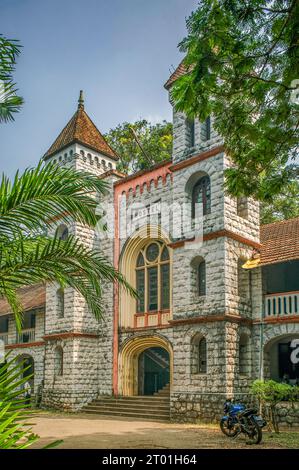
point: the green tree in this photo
(9, 101)
(141, 144)
(283, 206)
(241, 62)
(28, 255)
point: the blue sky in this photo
(119, 52)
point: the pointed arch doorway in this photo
(153, 370)
(145, 366)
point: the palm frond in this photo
(10, 102)
(29, 260)
(42, 194)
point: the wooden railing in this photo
(282, 304)
(26, 336)
(143, 320)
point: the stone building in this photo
(218, 298)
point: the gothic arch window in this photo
(58, 361)
(199, 354)
(201, 278)
(243, 281)
(242, 207)
(205, 130)
(62, 232)
(60, 302)
(244, 355)
(201, 194)
(153, 278)
(190, 128)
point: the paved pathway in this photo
(83, 431)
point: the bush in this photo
(269, 393)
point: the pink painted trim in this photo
(123, 187)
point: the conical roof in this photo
(81, 129)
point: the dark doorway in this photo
(27, 365)
(288, 371)
(153, 371)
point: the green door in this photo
(153, 370)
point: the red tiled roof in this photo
(179, 71)
(81, 129)
(280, 241)
(30, 296)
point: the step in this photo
(153, 402)
(121, 411)
(137, 398)
(143, 417)
(128, 408)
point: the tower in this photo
(213, 307)
(72, 374)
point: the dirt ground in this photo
(84, 431)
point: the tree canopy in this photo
(242, 66)
(141, 144)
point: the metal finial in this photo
(81, 100)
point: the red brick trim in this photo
(143, 172)
(234, 236)
(24, 345)
(280, 320)
(211, 319)
(68, 335)
(146, 328)
(197, 158)
(219, 234)
(112, 172)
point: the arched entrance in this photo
(145, 365)
(27, 366)
(153, 371)
(282, 359)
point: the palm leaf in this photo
(48, 192)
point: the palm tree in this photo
(9, 102)
(28, 254)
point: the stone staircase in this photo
(146, 408)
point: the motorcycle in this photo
(238, 419)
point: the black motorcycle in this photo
(238, 419)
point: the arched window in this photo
(243, 281)
(242, 207)
(58, 361)
(244, 355)
(199, 354)
(110, 166)
(190, 127)
(201, 194)
(153, 278)
(60, 303)
(205, 130)
(62, 232)
(201, 278)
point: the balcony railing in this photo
(282, 304)
(143, 320)
(4, 337)
(26, 336)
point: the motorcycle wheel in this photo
(255, 435)
(227, 429)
